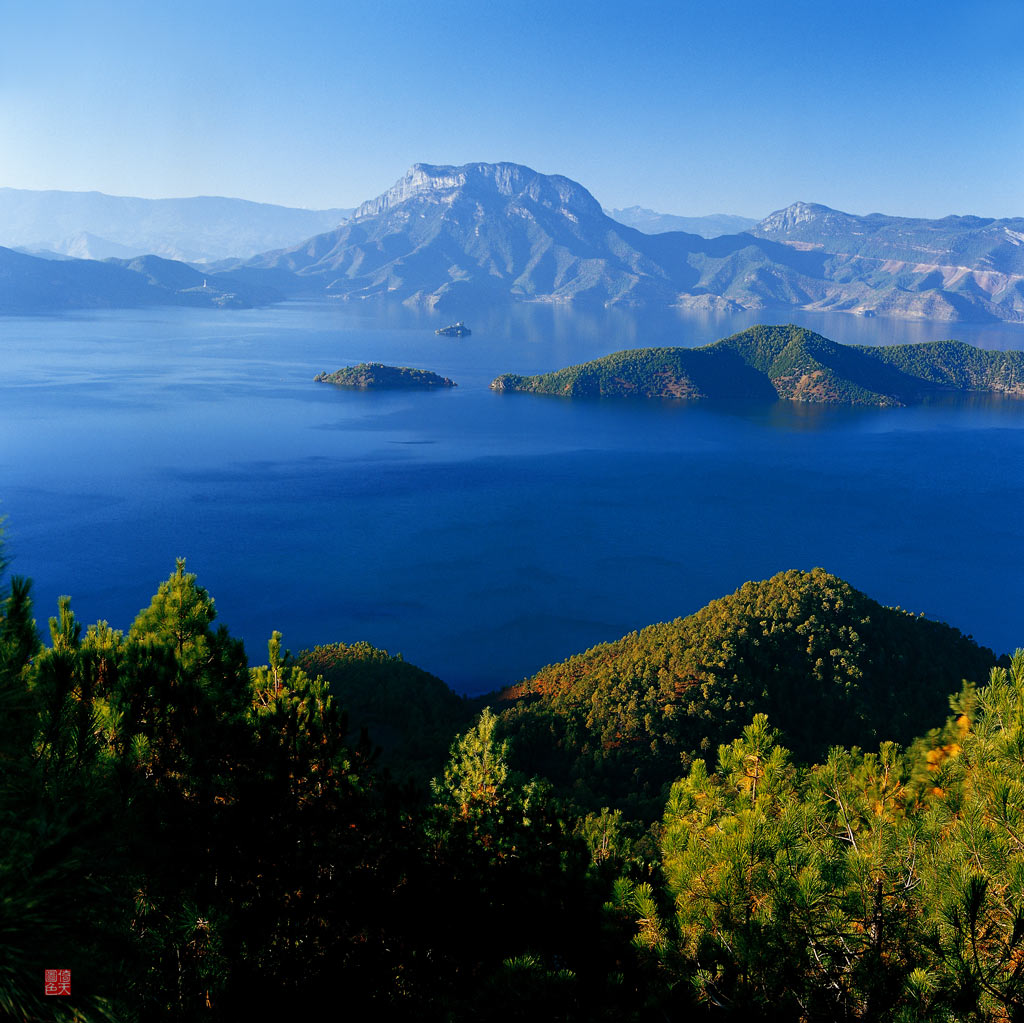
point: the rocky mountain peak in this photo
(480, 181)
(794, 215)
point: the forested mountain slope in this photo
(788, 362)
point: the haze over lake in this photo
(481, 535)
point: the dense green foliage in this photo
(956, 365)
(373, 375)
(874, 886)
(198, 839)
(793, 891)
(825, 662)
(786, 362)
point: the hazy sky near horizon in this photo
(738, 107)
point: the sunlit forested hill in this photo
(827, 664)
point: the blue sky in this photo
(899, 107)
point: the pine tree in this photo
(176, 722)
(58, 904)
(795, 893)
(974, 860)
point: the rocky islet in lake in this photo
(376, 376)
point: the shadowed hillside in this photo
(412, 715)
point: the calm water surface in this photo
(482, 535)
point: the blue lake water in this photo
(481, 535)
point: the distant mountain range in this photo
(787, 362)
(450, 236)
(29, 284)
(91, 225)
(651, 222)
(457, 237)
(950, 244)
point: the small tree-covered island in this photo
(789, 805)
(377, 376)
(787, 362)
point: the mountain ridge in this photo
(31, 284)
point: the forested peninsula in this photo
(787, 362)
(626, 835)
(375, 375)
